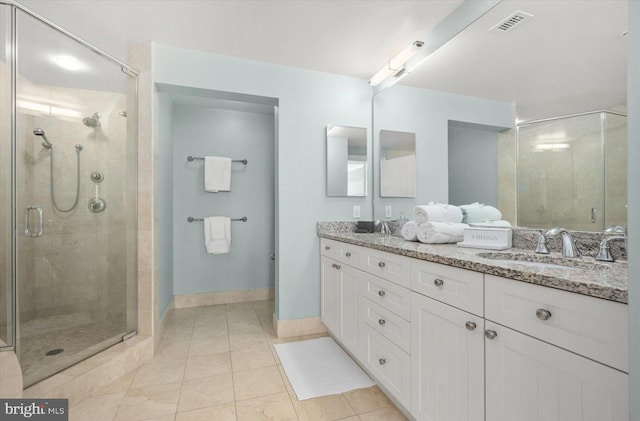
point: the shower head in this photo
(39, 132)
(93, 121)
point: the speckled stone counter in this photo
(585, 276)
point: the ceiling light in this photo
(395, 66)
(552, 146)
(68, 62)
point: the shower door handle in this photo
(27, 213)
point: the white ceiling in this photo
(568, 59)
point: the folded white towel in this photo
(498, 223)
(217, 234)
(217, 174)
(410, 231)
(479, 212)
(441, 232)
(437, 212)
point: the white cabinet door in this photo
(530, 380)
(447, 362)
(348, 281)
(330, 295)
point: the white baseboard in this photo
(298, 327)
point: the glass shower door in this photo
(75, 201)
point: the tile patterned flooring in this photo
(218, 363)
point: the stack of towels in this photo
(435, 223)
(481, 215)
(438, 223)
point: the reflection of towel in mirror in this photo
(410, 231)
(500, 223)
(217, 234)
(437, 212)
(217, 174)
(441, 232)
(479, 212)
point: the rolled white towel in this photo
(500, 223)
(441, 232)
(410, 231)
(479, 212)
(437, 212)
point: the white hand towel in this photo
(217, 234)
(410, 231)
(441, 232)
(217, 174)
(479, 212)
(437, 212)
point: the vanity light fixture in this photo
(552, 146)
(396, 66)
(68, 63)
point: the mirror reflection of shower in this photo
(92, 121)
(49, 146)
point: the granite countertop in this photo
(593, 278)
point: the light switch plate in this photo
(387, 211)
(356, 211)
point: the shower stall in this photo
(572, 172)
(68, 238)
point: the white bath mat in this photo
(319, 367)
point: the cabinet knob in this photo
(470, 325)
(438, 282)
(381, 293)
(327, 247)
(543, 314)
(490, 334)
(381, 264)
(337, 266)
(348, 254)
(381, 322)
(382, 361)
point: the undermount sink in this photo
(543, 261)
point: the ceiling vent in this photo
(512, 22)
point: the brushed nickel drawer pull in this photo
(491, 334)
(337, 266)
(381, 264)
(470, 326)
(438, 282)
(348, 254)
(381, 293)
(327, 247)
(543, 314)
(381, 322)
(382, 361)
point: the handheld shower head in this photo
(40, 132)
(93, 121)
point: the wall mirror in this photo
(346, 161)
(512, 69)
(397, 164)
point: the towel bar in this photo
(191, 158)
(192, 219)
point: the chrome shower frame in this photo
(13, 58)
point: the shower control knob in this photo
(97, 204)
(97, 176)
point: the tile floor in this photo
(218, 363)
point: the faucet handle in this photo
(541, 248)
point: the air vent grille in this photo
(512, 22)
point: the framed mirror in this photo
(397, 164)
(346, 161)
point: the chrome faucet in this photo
(569, 248)
(604, 252)
(541, 248)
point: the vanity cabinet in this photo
(447, 362)
(528, 379)
(453, 344)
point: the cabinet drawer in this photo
(393, 297)
(392, 267)
(588, 326)
(458, 287)
(389, 325)
(390, 365)
(328, 248)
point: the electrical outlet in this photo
(356, 211)
(387, 211)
